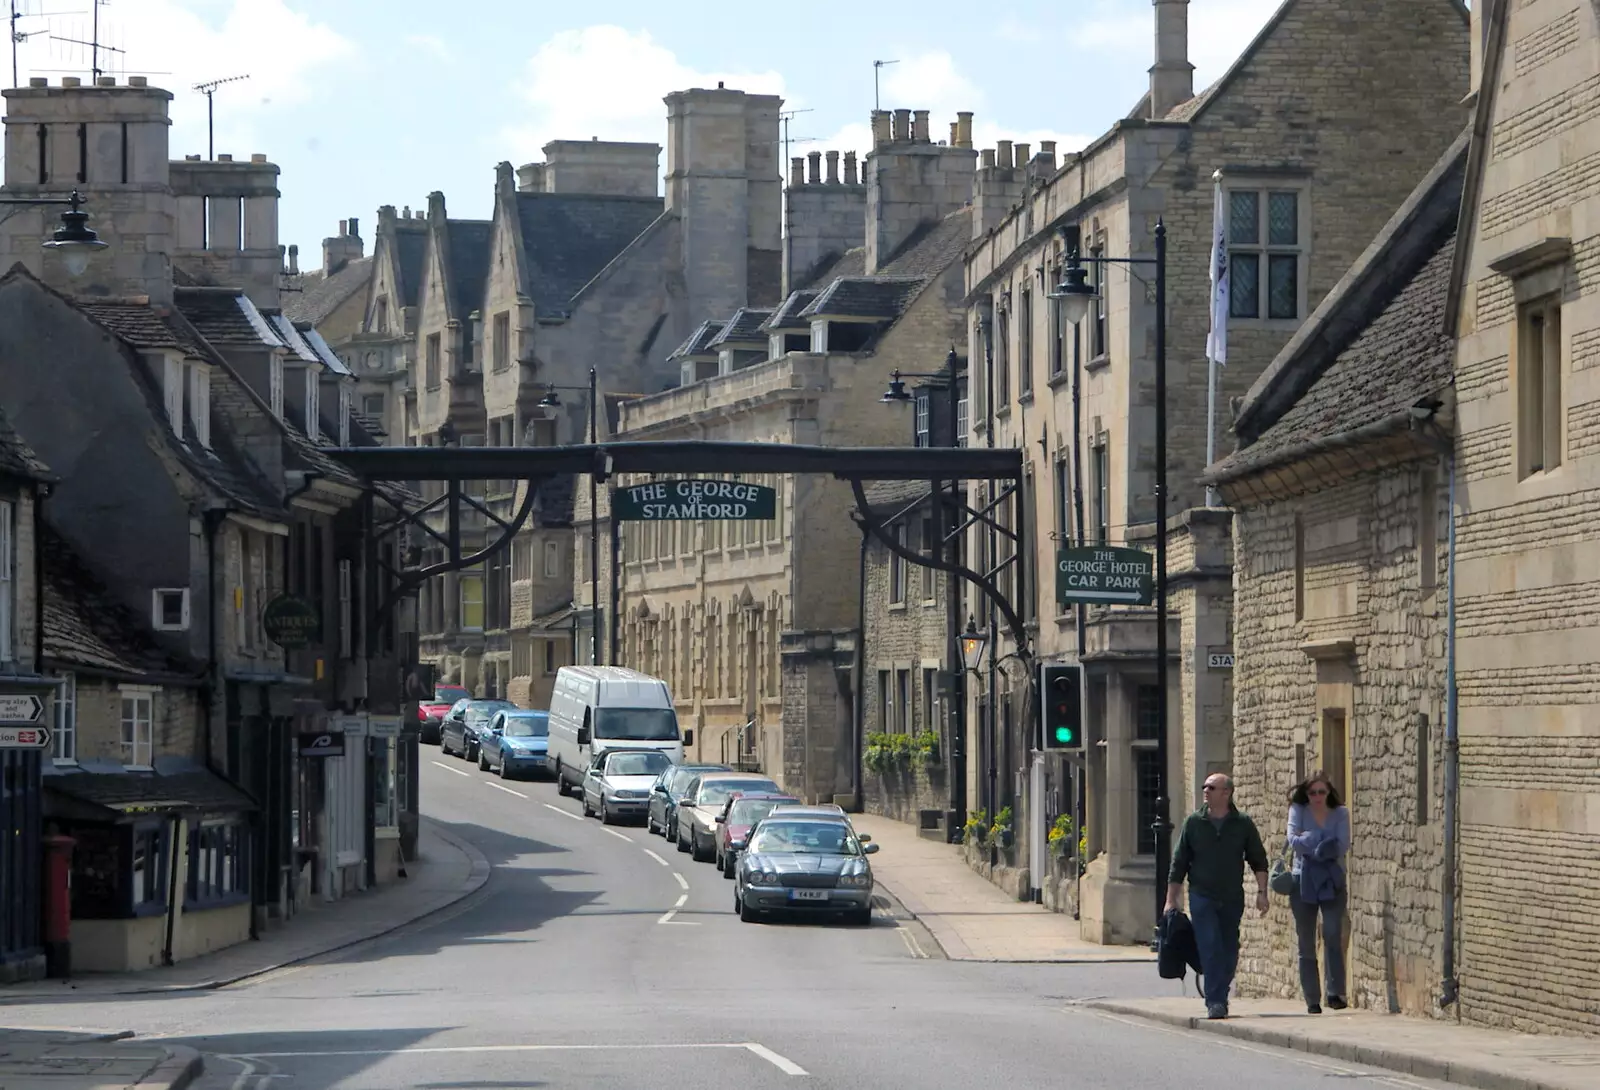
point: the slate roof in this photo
(226, 316)
(469, 264)
(745, 328)
(129, 792)
(286, 332)
(143, 326)
(569, 238)
(410, 251)
(17, 459)
(933, 247)
(320, 294)
(560, 618)
(866, 297)
(850, 263)
(86, 627)
(699, 342)
(891, 497)
(1373, 349)
(330, 359)
(787, 316)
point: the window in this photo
(550, 663)
(200, 402)
(313, 404)
(1424, 781)
(65, 719)
(924, 419)
(552, 560)
(430, 365)
(148, 871)
(346, 397)
(1063, 504)
(1058, 334)
(385, 797)
(930, 545)
(169, 609)
(885, 702)
(372, 405)
(1538, 386)
(930, 699)
(1100, 482)
(275, 386)
(470, 592)
(219, 867)
(1026, 563)
(8, 586)
(1098, 340)
(172, 388)
(897, 568)
(1264, 253)
(138, 727)
(1002, 360)
(1147, 782)
(1146, 713)
(963, 415)
(902, 692)
(502, 341)
(346, 614)
(1025, 344)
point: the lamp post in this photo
(1076, 297)
(896, 394)
(73, 240)
(552, 400)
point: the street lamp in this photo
(73, 240)
(972, 644)
(552, 400)
(1077, 297)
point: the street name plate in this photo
(24, 737)
(384, 726)
(1219, 661)
(20, 708)
(678, 501)
(1104, 574)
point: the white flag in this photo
(1217, 341)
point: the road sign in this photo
(20, 708)
(1219, 661)
(1104, 574)
(677, 501)
(24, 737)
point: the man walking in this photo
(1213, 848)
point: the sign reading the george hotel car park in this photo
(675, 501)
(1101, 575)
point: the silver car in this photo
(617, 783)
(813, 864)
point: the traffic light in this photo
(1061, 696)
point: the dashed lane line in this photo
(447, 768)
(666, 917)
(657, 858)
(782, 1063)
(507, 790)
(563, 813)
(682, 881)
(619, 836)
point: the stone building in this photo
(1340, 489)
(1320, 129)
(750, 622)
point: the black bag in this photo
(1176, 949)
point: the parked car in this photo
(431, 713)
(662, 816)
(741, 815)
(701, 803)
(594, 708)
(516, 742)
(819, 809)
(466, 724)
(804, 864)
(618, 782)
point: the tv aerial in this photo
(209, 89)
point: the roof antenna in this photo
(20, 36)
(878, 66)
(95, 48)
(209, 88)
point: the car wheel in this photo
(728, 863)
(501, 770)
(583, 796)
(682, 846)
(863, 918)
(561, 780)
(650, 822)
(698, 854)
(483, 760)
(605, 815)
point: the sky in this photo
(370, 102)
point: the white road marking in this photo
(247, 1069)
(507, 790)
(681, 901)
(787, 1066)
(682, 881)
(447, 768)
(657, 858)
(563, 813)
(911, 942)
(619, 836)
(666, 917)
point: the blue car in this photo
(514, 742)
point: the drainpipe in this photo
(1450, 987)
(172, 888)
(861, 673)
(40, 493)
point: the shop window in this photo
(219, 865)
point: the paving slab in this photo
(1447, 1051)
(969, 917)
(57, 1060)
(448, 869)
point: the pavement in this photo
(66, 1060)
(970, 917)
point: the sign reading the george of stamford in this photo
(1104, 574)
(671, 501)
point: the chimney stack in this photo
(911, 182)
(797, 170)
(1172, 76)
(902, 126)
(964, 129)
(881, 134)
(850, 175)
(339, 251)
(919, 128)
(530, 178)
(833, 168)
(294, 261)
(814, 171)
(1022, 157)
(1003, 154)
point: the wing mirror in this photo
(869, 849)
(583, 736)
(865, 838)
(721, 820)
(688, 738)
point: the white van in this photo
(596, 708)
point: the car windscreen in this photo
(750, 811)
(527, 726)
(717, 791)
(636, 724)
(637, 764)
(449, 694)
(480, 710)
(805, 838)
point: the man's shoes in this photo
(1215, 1011)
(1316, 1008)
(1337, 1002)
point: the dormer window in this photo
(200, 401)
(344, 413)
(172, 391)
(275, 386)
(313, 402)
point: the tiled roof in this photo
(122, 792)
(850, 263)
(699, 342)
(865, 297)
(410, 251)
(86, 626)
(142, 326)
(787, 316)
(226, 316)
(558, 619)
(17, 459)
(225, 466)
(569, 238)
(289, 335)
(933, 247)
(891, 497)
(320, 294)
(469, 264)
(330, 359)
(745, 328)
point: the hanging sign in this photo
(292, 623)
(325, 743)
(1102, 574)
(678, 501)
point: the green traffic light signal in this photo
(1064, 735)
(1061, 686)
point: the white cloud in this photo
(435, 46)
(179, 43)
(609, 82)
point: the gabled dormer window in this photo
(313, 402)
(172, 391)
(275, 386)
(200, 401)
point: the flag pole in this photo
(1217, 340)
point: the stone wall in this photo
(906, 788)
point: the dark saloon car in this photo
(466, 724)
(516, 743)
(809, 865)
(667, 791)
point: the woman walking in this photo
(1319, 837)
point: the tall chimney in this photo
(833, 168)
(850, 175)
(964, 129)
(1172, 76)
(814, 167)
(919, 127)
(797, 170)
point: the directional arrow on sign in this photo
(24, 737)
(20, 708)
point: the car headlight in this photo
(861, 880)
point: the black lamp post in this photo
(1076, 297)
(73, 240)
(552, 400)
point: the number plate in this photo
(808, 895)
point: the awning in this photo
(122, 796)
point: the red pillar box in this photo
(58, 905)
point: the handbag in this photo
(1283, 880)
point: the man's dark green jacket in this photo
(1212, 859)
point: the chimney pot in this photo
(850, 175)
(1022, 154)
(138, 81)
(355, 227)
(224, 158)
(833, 168)
(71, 81)
(814, 167)
(955, 135)
(1003, 154)
(294, 260)
(1047, 148)
(38, 81)
(191, 158)
(344, 228)
(880, 128)
(919, 128)
(902, 126)
(988, 158)
(258, 157)
(964, 129)
(797, 170)
(407, 213)
(106, 81)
